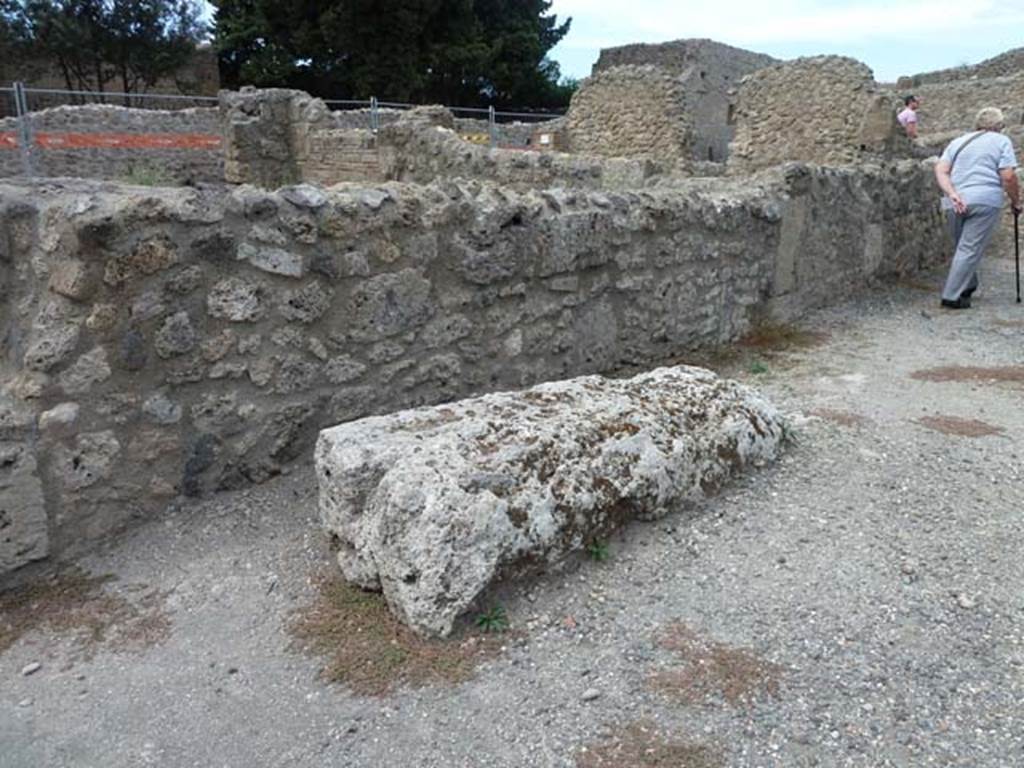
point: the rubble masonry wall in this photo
(170, 341)
(825, 109)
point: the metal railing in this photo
(494, 118)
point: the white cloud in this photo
(752, 22)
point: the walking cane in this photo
(1016, 248)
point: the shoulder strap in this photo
(962, 147)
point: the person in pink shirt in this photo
(908, 117)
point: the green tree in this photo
(466, 52)
(96, 42)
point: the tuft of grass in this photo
(148, 175)
(366, 649)
(758, 367)
(75, 604)
(707, 669)
(493, 620)
(599, 551)
(639, 745)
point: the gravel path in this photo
(859, 604)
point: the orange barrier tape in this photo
(9, 140)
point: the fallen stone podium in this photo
(431, 506)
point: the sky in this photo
(893, 37)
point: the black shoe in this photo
(968, 293)
(963, 302)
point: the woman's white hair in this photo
(990, 119)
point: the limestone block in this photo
(307, 304)
(71, 279)
(160, 409)
(55, 335)
(391, 303)
(343, 369)
(236, 300)
(90, 460)
(90, 369)
(433, 505)
(277, 261)
(23, 529)
(176, 336)
(59, 417)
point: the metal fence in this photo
(26, 129)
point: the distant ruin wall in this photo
(952, 106)
(825, 109)
(179, 341)
(276, 137)
(101, 141)
(679, 55)
(1005, 64)
(631, 111)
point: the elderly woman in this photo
(973, 172)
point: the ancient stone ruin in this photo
(432, 506)
(170, 341)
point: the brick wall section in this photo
(169, 341)
(825, 109)
(631, 111)
(202, 161)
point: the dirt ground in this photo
(859, 604)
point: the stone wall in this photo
(952, 106)
(631, 111)
(178, 341)
(101, 141)
(276, 137)
(708, 73)
(414, 152)
(1009, 63)
(825, 109)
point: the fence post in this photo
(492, 126)
(24, 128)
(374, 115)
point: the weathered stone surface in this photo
(148, 257)
(433, 505)
(88, 370)
(60, 416)
(160, 409)
(343, 369)
(277, 261)
(306, 304)
(391, 303)
(90, 460)
(54, 337)
(235, 299)
(71, 279)
(23, 524)
(176, 336)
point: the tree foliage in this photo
(459, 52)
(95, 43)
